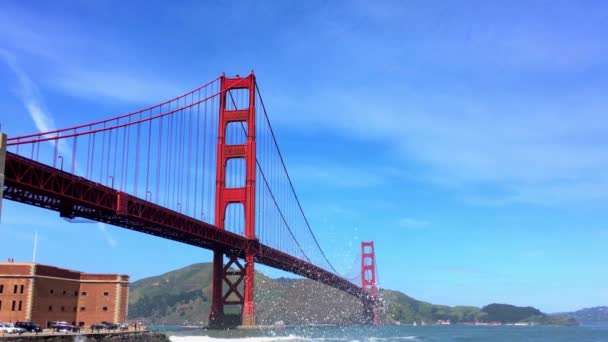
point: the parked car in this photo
(16, 330)
(63, 326)
(98, 326)
(4, 329)
(124, 326)
(8, 328)
(110, 325)
(29, 326)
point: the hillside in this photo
(590, 316)
(183, 297)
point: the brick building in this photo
(42, 294)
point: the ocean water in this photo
(398, 334)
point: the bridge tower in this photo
(244, 114)
(368, 282)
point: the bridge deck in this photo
(37, 184)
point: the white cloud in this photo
(533, 254)
(343, 176)
(109, 239)
(95, 68)
(32, 101)
(496, 102)
(537, 144)
(531, 150)
(115, 85)
(29, 94)
(412, 223)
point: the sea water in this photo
(399, 333)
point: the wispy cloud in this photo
(412, 223)
(80, 64)
(507, 102)
(34, 104)
(114, 85)
(533, 254)
(29, 94)
(109, 239)
(334, 175)
(532, 150)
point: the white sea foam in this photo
(242, 339)
(289, 338)
(391, 338)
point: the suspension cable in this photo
(290, 182)
(269, 189)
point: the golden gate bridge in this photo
(203, 169)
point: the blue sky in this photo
(467, 139)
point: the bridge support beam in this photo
(240, 290)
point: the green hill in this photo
(404, 309)
(505, 313)
(183, 297)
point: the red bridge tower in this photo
(368, 282)
(244, 196)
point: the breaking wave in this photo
(241, 339)
(289, 338)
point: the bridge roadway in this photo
(30, 182)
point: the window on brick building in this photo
(52, 291)
(106, 294)
(15, 289)
(64, 292)
(83, 293)
(105, 308)
(62, 308)
(74, 309)
(0, 305)
(21, 290)
(1, 288)
(13, 306)
(76, 293)
(82, 308)
(19, 305)
(50, 308)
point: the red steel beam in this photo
(37, 184)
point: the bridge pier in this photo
(368, 311)
(248, 317)
(239, 279)
(216, 314)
